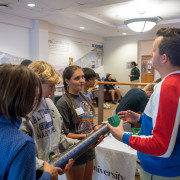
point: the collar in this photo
(15, 122)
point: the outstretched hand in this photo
(129, 116)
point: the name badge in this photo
(79, 111)
(48, 117)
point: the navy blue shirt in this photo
(134, 100)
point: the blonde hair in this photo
(149, 87)
(46, 72)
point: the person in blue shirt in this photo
(20, 94)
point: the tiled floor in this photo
(106, 114)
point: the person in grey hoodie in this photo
(45, 123)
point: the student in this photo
(20, 93)
(111, 88)
(90, 79)
(159, 143)
(135, 74)
(77, 113)
(26, 62)
(45, 124)
(135, 100)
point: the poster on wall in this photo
(64, 51)
(10, 59)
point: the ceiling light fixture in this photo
(142, 24)
(82, 27)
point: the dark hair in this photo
(18, 91)
(26, 62)
(89, 73)
(98, 77)
(170, 44)
(107, 75)
(67, 74)
(133, 63)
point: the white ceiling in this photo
(99, 17)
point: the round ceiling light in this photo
(142, 24)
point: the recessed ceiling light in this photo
(124, 34)
(82, 27)
(31, 5)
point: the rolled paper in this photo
(81, 147)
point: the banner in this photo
(114, 161)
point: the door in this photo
(147, 71)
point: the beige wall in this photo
(120, 50)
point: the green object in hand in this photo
(114, 121)
(51, 154)
(136, 131)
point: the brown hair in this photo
(67, 74)
(107, 75)
(45, 72)
(170, 44)
(98, 77)
(89, 73)
(18, 91)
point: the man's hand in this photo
(118, 131)
(129, 116)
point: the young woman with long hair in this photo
(77, 113)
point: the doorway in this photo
(147, 71)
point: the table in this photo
(114, 161)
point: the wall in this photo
(67, 43)
(62, 47)
(14, 35)
(28, 39)
(117, 52)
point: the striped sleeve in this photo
(161, 140)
